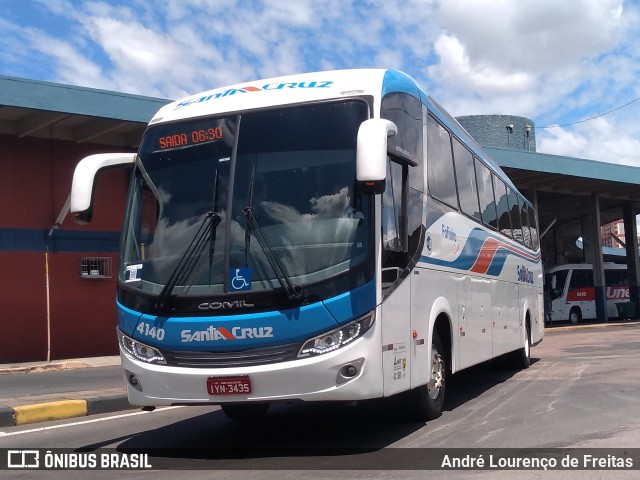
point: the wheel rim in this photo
(435, 385)
(573, 317)
(527, 343)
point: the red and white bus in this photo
(573, 295)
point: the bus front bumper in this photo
(351, 373)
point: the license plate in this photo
(229, 386)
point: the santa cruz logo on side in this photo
(250, 88)
(525, 275)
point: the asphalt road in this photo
(581, 391)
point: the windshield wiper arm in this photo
(187, 263)
(294, 292)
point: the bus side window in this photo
(406, 112)
(581, 279)
(514, 209)
(616, 278)
(526, 232)
(466, 180)
(485, 191)
(440, 175)
(533, 227)
(504, 223)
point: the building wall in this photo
(35, 180)
(501, 131)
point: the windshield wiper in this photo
(187, 263)
(294, 292)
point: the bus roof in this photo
(275, 91)
(315, 86)
(585, 266)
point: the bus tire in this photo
(426, 401)
(575, 315)
(522, 357)
(245, 412)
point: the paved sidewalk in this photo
(43, 391)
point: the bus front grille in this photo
(238, 358)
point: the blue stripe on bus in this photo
(247, 330)
(37, 240)
(232, 331)
(352, 304)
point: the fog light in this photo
(133, 380)
(349, 371)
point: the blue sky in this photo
(556, 62)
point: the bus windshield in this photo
(250, 202)
(555, 283)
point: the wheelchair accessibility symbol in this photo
(240, 279)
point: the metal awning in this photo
(31, 108)
(565, 184)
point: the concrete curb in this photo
(59, 410)
(589, 326)
(42, 367)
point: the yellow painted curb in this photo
(42, 412)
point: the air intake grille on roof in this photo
(242, 358)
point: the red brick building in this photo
(57, 284)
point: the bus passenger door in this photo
(396, 282)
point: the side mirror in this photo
(84, 180)
(371, 157)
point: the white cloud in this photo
(532, 36)
(554, 62)
(523, 56)
(598, 139)
(133, 47)
(455, 66)
(549, 60)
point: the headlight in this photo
(330, 341)
(139, 350)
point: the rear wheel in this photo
(522, 357)
(426, 401)
(245, 412)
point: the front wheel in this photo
(245, 412)
(426, 401)
(575, 315)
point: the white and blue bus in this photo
(331, 236)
